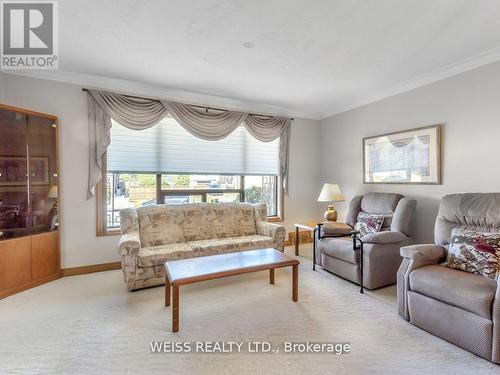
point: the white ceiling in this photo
(311, 58)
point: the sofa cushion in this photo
(340, 248)
(380, 203)
(231, 245)
(474, 252)
(157, 255)
(384, 237)
(471, 211)
(197, 224)
(160, 225)
(260, 211)
(470, 292)
(202, 221)
(245, 215)
(386, 224)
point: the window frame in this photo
(101, 203)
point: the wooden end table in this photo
(310, 226)
(188, 271)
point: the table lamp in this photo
(53, 194)
(331, 193)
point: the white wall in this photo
(79, 244)
(305, 174)
(468, 105)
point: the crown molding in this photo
(439, 74)
(151, 91)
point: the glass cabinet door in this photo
(14, 203)
(28, 174)
(43, 175)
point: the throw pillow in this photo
(368, 223)
(474, 252)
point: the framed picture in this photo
(407, 157)
(13, 170)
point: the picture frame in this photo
(13, 170)
(410, 156)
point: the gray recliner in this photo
(457, 306)
(381, 257)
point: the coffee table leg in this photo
(271, 276)
(296, 241)
(167, 291)
(295, 283)
(175, 308)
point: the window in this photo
(166, 164)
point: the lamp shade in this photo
(331, 193)
(53, 192)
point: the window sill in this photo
(274, 219)
(110, 232)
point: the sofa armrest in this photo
(273, 230)
(425, 252)
(384, 237)
(276, 231)
(130, 244)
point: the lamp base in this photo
(331, 213)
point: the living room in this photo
(336, 162)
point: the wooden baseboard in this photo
(73, 271)
(29, 285)
(82, 270)
(304, 237)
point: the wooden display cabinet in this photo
(29, 195)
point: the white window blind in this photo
(168, 148)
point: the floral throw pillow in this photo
(474, 252)
(368, 223)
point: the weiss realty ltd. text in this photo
(248, 347)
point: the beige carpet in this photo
(91, 325)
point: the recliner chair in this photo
(457, 306)
(381, 258)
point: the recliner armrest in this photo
(130, 244)
(424, 252)
(384, 237)
(414, 257)
(495, 356)
(336, 229)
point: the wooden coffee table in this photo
(193, 270)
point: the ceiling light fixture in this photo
(248, 45)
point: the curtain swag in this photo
(142, 113)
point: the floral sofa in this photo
(154, 235)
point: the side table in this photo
(306, 225)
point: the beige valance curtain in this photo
(142, 113)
